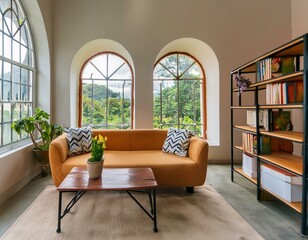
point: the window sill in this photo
(6, 151)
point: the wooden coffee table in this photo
(124, 179)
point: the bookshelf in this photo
(282, 74)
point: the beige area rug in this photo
(114, 215)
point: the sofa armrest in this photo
(198, 151)
(58, 153)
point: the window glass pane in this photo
(30, 77)
(16, 51)
(14, 6)
(6, 91)
(25, 93)
(1, 41)
(7, 47)
(6, 133)
(114, 63)
(24, 76)
(24, 35)
(16, 92)
(16, 111)
(161, 73)
(23, 55)
(184, 63)
(192, 73)
(25, 110)
(4, 4)
(7, 71)
(170, 63)
(29, 94)
(0, 92)
(16, 74)
(122, 73)
(90, 71)
(7, 22)
(29, 57)
(6, 112)
(99, 63)
(15, 23)
(15, 136)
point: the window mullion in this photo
(161, 104)
(178, 102)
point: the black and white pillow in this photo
(79, 140)
(177, 141)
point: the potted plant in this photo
(96, 162)
(38, 125)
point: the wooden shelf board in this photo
(243, 107)
(285, 160)
(297, 206)
(297, 76)
(250, 89)
(283, 106)
(288, 135)
(240, 148)
(246, 128)
(240, 171)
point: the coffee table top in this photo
(112, 179)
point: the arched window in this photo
(106, 91)
(179, 93)
(16, 70)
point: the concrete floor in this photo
(273, 220)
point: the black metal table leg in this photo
(154, 211)
(150, 198)
(59, 212)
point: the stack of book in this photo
(285, 93)
(249, 143)
(274, 67)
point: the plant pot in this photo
(43, 159)
(95, 169)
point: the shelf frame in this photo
(297, 165)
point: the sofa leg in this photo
(190, 189)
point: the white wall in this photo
(299, 17)
(236, 30)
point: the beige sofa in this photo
(138, 148)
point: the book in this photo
(281, 120)
(276, 67)
(298, 92)
(288, 65)
(250, 143)
(265, 145)
(285, 93)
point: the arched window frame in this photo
(81, 87)
(17, 72)
(202, 88)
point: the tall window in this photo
(179, 93)
(107, 90)
(16, 69)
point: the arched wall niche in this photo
(208, 59)
(84, 53)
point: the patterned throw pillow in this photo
(177, 141)
(79, 140)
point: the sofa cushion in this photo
(169, 169)
(177, 141)
(79, 140)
